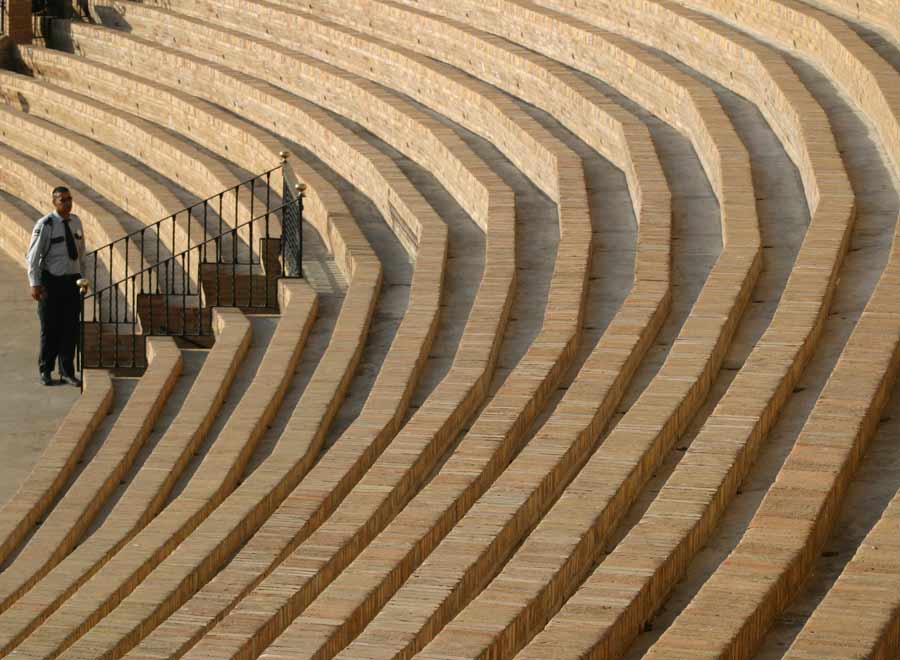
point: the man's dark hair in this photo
(59, 190)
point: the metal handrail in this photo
(158, 282)
(267, 174)
(164, 233)
(197, 246)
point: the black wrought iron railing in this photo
(163, 279)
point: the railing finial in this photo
(300, 188)
(284, 156)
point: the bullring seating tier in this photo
(575, 240)
(75, 512)
(19, 515)
(159, 473)
(501, 283)
(881, 16)
(480, 617)
(255, 605)
(427, 301)
(801, 533)
(795, 518)
(183, 624)
(516, 510)
(223, 464)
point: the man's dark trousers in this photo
(58, 311)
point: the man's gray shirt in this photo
(47, 253)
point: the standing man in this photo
(55, 258)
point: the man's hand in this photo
(37, 292)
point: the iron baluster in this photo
(252, 195)
(267, 256)
(79, 352)
(100, 332)
(169, 281)
(158, 261)
(96, 315)
(143, 259)
(265, 250)
(133, 323)
(219, 252)
(221, 211)
(234, 252)
(285, 215)
(150, 300)
(205, 257)
(189, 246)
(125, 274)
(116, 326)
(301, 191)
(183, 299)
(174, 252)
(111, 277)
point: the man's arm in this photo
(40, 238)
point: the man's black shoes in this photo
(47, 379)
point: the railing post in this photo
(301, 191)
(79, 349)
(285, 190)
(292, 223)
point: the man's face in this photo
(63, 203)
